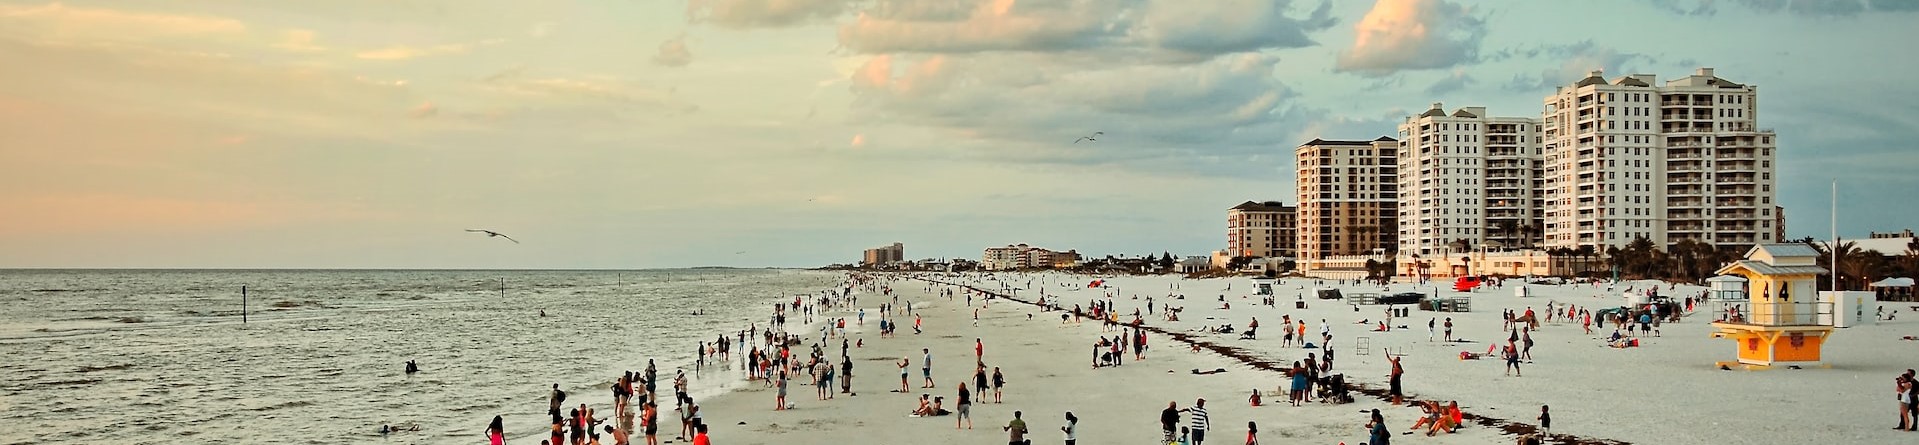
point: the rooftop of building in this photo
(1317, 141)
(1266, 206)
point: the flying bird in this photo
(1093, 138)
(491, 234)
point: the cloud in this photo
(1455, 82)
(1190, 31)
(1808, 8)
(1228, 26)
(1030, 107)
(985, 25)
(299, 40)
(404, 52)
(541, 29)
(673, 52)
(622, 94)
(763, 13)
(1413, 34)
(425, 110)
(1576, 61)
(68, 22)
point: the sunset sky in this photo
(671, 133)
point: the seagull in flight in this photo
(491, 234)
(1093, 138)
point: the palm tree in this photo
(1509, 227)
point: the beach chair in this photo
(1364, 344)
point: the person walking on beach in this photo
(999, 382)
(979, 350)
(926, 367)
(1429, 329)
(964, 410)
(1200, 422)
(1252, 433)
(1071, 429)
(1526, 343)
(1512, 360)
(1449, 329)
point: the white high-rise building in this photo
(1467, 180)
(1608, 161)
(1628, 159)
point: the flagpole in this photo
(1834, 248)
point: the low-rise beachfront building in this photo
(1193, 264)
(1348, 199)
(1022, 256)
(1261, 229)
(1511, 263)
(884, 255)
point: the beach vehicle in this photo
(1402, 298)
(1466, 284)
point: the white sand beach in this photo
(1667, 391)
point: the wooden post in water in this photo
(502, 287)
(243, 305)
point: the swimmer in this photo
(412, 367)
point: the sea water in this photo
(163, 357)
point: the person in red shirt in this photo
(979, 350)
(699, 438)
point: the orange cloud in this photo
(1412, 34)
(61, 20)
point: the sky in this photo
(795, 133)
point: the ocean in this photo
(162, 357)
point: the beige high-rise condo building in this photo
(1261, 229)
(1468, 180)
(1347, 199)
(1630, 158)
(884, 255)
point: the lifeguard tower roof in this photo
(1783, 255)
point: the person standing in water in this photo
(496, 431)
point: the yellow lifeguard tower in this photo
(1780, 322)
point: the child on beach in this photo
(1545, 419)
(1252, 433)
(1071, 429)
